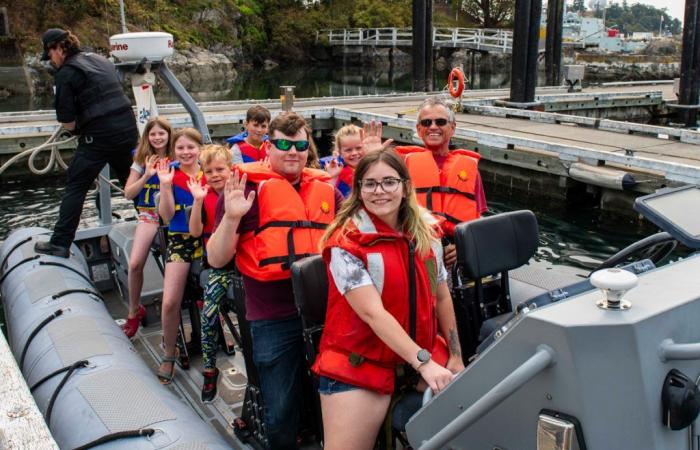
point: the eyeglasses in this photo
(286, 144)
(441, 122)
(388, 185)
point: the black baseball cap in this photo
(51, 37)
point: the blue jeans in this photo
(278, 356)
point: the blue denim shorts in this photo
(328, 386)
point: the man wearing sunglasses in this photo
(447, 181)
(270, 217)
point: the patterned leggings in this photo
(217, 284)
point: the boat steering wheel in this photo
(655, 247)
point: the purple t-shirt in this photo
(265, 300)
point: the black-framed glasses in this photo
(388, 184)
(286, 144)
(441, 122)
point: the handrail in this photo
(670, 351)
(491, 39)
(544, 357)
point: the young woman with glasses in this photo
(387, 301)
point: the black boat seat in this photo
(487, 249)
(310, 284)
(496, 244)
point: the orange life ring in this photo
(456, 91)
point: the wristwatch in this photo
(423, 357)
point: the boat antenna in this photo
(123, 16)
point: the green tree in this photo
(579, 6)
(489, 13)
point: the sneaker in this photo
(209, 385)
(47, 248)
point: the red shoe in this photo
(132, 324)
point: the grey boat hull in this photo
(116, 391)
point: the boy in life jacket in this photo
(447, 182)
(182, 248)
(387, 301)
(269, 217)
(216, 164)
(251, 145)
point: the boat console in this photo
(613, 367)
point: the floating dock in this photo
(524, 150)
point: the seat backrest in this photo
(496, 244)
(310, 284)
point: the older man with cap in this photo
(91, 104)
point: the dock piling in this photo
(690, 72)
(526, 37)
(552, 55)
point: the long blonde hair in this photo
(144, 150)
(411, 220)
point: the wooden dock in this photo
(546, 141)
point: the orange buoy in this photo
(456, 91)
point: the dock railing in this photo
(484, 39)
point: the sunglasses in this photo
(286, 144)
(439, 122)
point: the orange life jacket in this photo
(349, 349)
(291, 222)
(450, 192)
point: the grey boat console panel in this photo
(605, 368)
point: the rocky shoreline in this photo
(216, 69)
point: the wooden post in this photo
(552, 55)
(418, 50)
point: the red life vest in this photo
(291, 223)
(182, 198)
(448, 192)
(209, 206)
(350, 351)
(250, 153)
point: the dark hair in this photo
(258, 114)
(288, 123)
(70, 44)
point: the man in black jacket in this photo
(91, 104)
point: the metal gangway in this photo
(495, 40)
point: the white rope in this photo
(55, 158)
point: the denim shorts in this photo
(328, 386)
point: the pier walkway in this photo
(542, 141)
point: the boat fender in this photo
(602, 176)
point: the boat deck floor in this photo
(187, 384)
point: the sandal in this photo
(209, 385)
(166, 377)
(132, 324)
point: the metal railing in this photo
(485, 39)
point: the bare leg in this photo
(352, 419)
(143, 236)
(173, 289)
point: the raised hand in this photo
(236, 203)
(165, 172)
(371, 135)
(334, 167)
(150, 166)
(196, 189)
